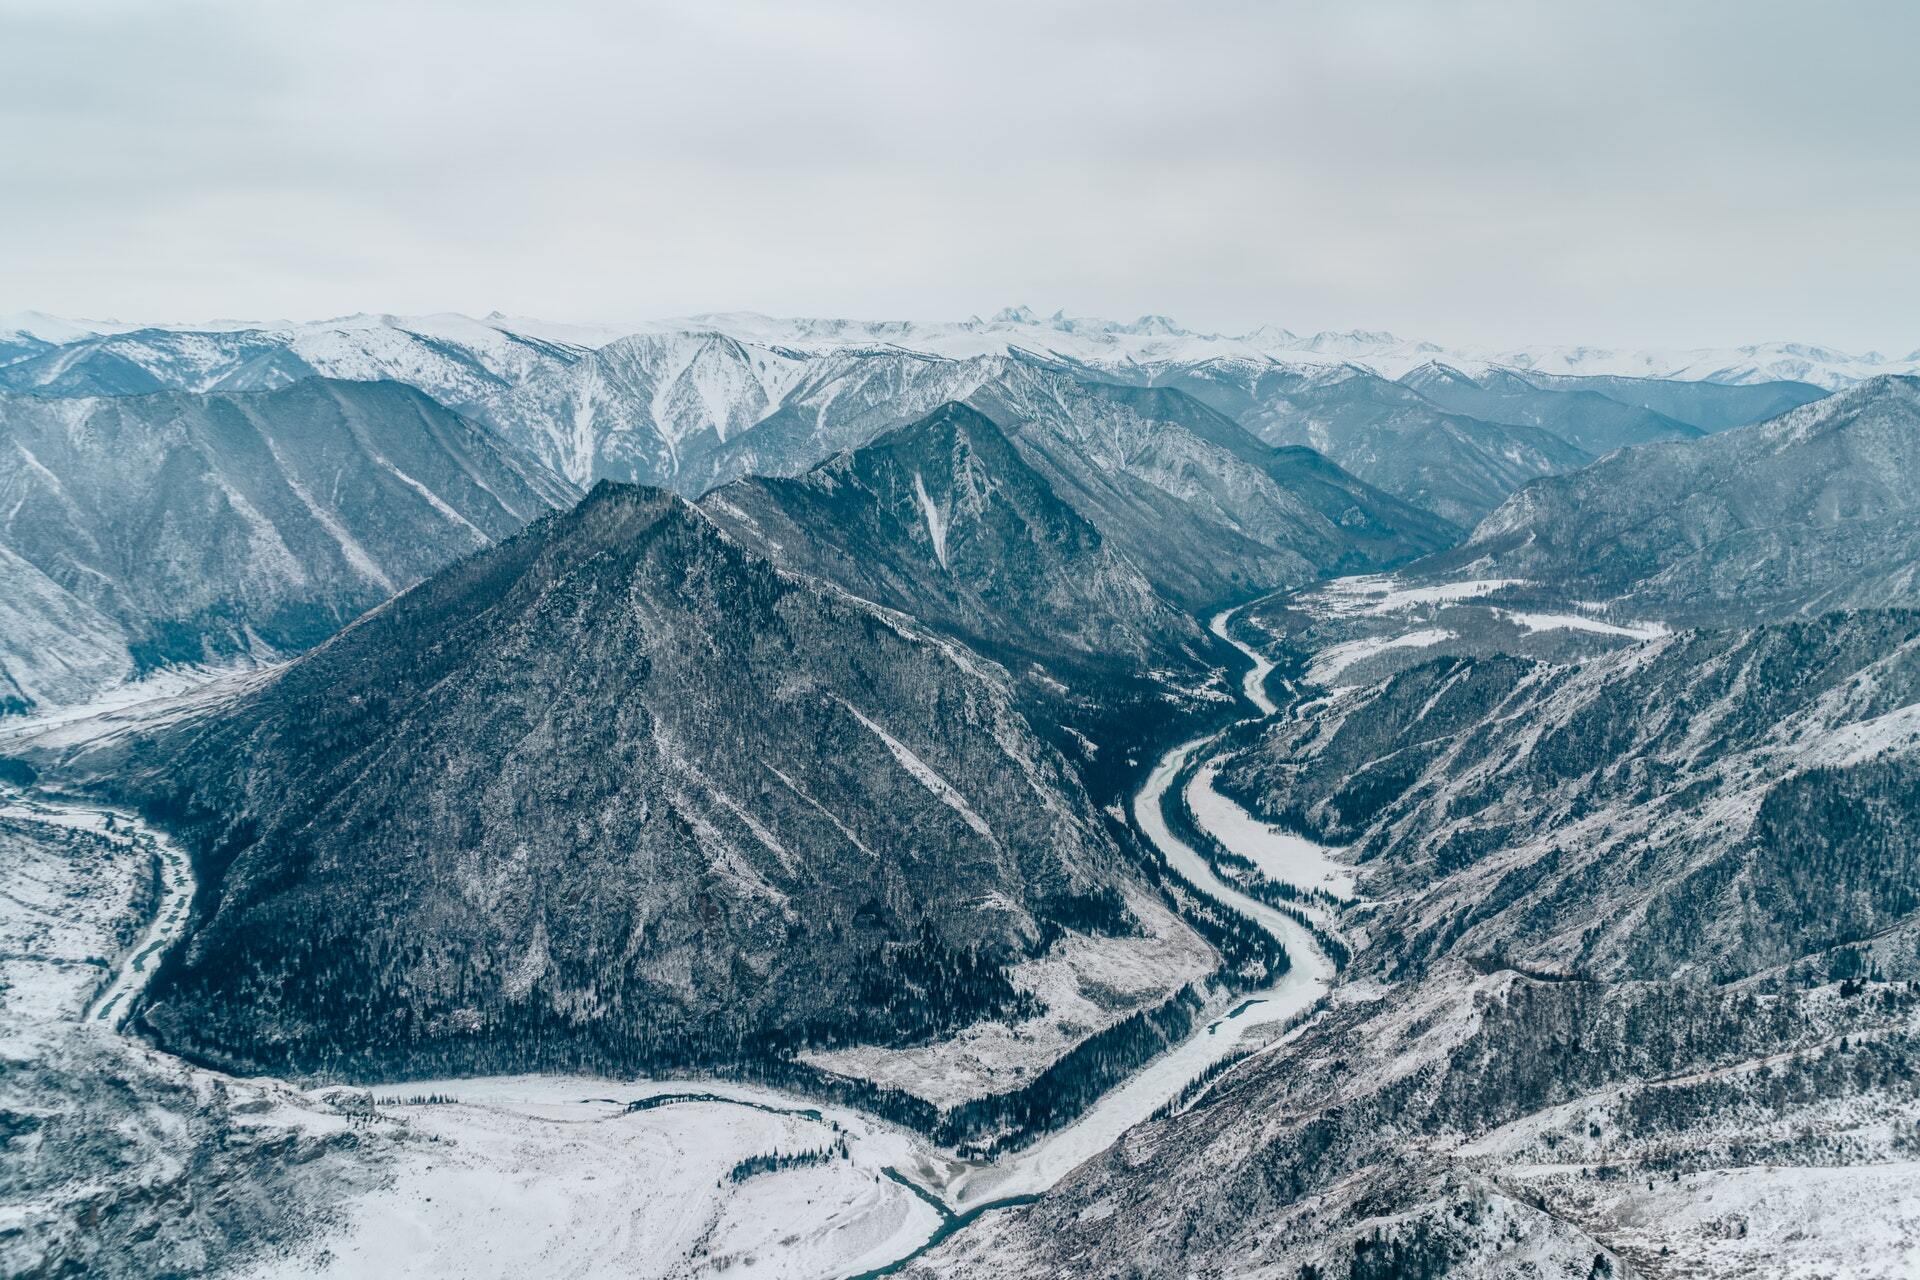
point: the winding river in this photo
(959, 1191)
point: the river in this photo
(958, 1191)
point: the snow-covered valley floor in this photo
(561, 1175)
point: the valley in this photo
(941, 845)
(456, 1154)
(587, 692)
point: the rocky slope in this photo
(595, 797)
(1634, 992)
(944, 520)
(1815, 509)
(142, 531)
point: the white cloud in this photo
(1654, 173)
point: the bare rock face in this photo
(620, 793)
(173, 527)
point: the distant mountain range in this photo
(1146, 342)
(694, 403)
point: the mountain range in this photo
(1296, 807)
(1147, 341)
(691, 404)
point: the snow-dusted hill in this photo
(145, 531)
(1816, 509)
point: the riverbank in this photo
(502, 1175)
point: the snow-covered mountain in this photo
(145, 531)
(697, 401)
(664, 802)
(337, 346)
(1816, 509)
(452, 358)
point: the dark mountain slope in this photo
(187, 528)
(945, 521)
(615, 793)
(1819, 508)
(1453, 465)
(1636, 981)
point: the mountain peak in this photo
(1436, 373)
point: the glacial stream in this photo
(959, 1191)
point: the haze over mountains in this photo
(1296, 807)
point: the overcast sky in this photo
(1674, 173)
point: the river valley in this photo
(506, 1175)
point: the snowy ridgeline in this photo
(496, 346)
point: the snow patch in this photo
(1577, 622)
(1329, 663)
(923, 773)
(936, 519)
